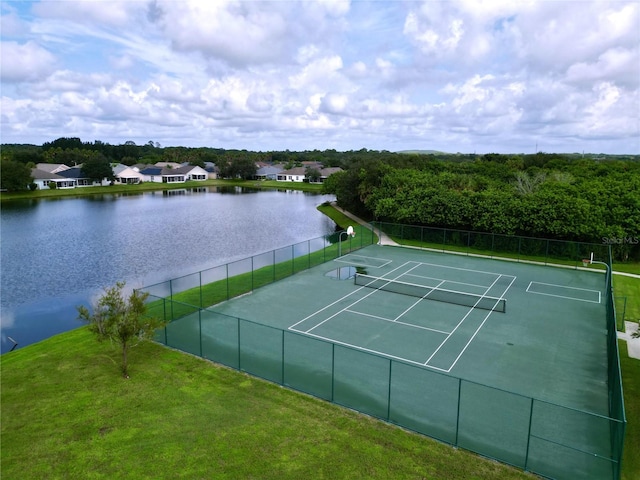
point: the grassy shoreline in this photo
(151, 187)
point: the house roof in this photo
(151, 170)
(187, 169)
(119, 167)
(126, 172)
(52, 167)
(73, 172)
(295, 171)
(39, 174)
(173, 165)
(269, 169)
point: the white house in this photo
(299, 174)
(43, 179)
(192, 172)
(127, 175)
(296, 174)
(75, 173)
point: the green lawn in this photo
(68, 413)
(631, 385)
(630, 287)
(152, 186)
(626, 291)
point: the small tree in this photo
(98, 168)
(121, 320)
(14, 176)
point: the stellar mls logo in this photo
(620, 240)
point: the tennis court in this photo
(548, 343)
(502, 358)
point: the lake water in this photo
(58, 254)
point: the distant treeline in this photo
(591, 198)
(562, 197)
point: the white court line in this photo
(345, 257)
(478, 329)
(564, 296)
(420, 299)
(292, 327)
(448, 281)
(461, 322)
(397, 321)
(345, 308)
(364, 349)
(463, 269)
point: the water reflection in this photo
(56, 254)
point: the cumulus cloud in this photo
(26, 62)
(324, 74)
(115, 13)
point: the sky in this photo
(467, 76)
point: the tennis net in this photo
(431, 293)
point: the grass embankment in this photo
(631, 386)
(67, 413)
(152, 186)
(627, 294)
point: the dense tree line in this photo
(593, 198)
(546, 196)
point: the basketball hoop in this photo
(350, 233)
(587, 261)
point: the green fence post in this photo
(282, 367)
(171, 297)
(389, 393)
(200, 281)
(333, 370)
(526, 457)
(200, 329)
(164, 317)
(239, 365)
(546, 253)
(226, 267)
(458, 412)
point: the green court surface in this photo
(549, 344)
(522, 379)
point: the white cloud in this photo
(113, 13)
(324, 74)
(618, 64)
(26, 62)
(334, 103)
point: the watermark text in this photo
(620, 240)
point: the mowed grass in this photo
(68, 413)
(631, 386)
(626, 291)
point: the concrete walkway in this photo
(633, 344)
(384, 239)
